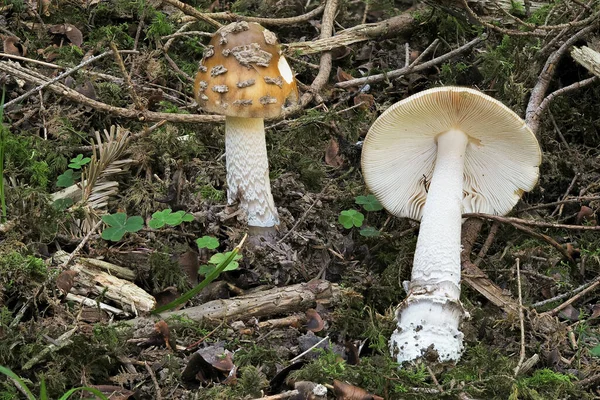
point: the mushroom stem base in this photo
(248, 170)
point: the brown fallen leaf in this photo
(584, 215)
(595, 311)
(65, 280)
(366, 99)
(70, 31)
(343, 76)
(332, 156)
(12, 45)
(314, 322)
(346, 391)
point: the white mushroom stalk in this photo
(432, 157)
(432, 310)
(248, 170)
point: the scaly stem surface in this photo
(248, 170)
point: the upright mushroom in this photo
(431, 157)
(244, 77)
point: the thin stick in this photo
(80, 245)
(64, 75)
(512, 220)
(562, 296)
(31, 60)
(521, 319)
(153, 377)
(574, 298)
(569, 188)
(189, 10)
(566, 201)
(228, 16)
(487, 244)
(280, 396)
(129, 84)
(299, 356)
(411, 68)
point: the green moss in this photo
(18, 271)
(165, 271)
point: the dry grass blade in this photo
(97, 186)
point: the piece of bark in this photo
(113, 269)
(588, 58)
(129, 296)
(279, 300)
(93, 303)
(475, 277)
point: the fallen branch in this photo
(394, 26)
(573, 299)
(410, 69)
(281, 300)
(513, 220)
(140, 115)
(231, 17)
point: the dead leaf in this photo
(65, 280)
(584, 215)
(13, 46)
(87, 89)
(346, 391)
(570, 313)
(70, 31)
(343, 76)
(366, 99)
(332, 156)
(595, 311)
(162, 328)
(314, 322)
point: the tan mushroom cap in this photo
(501, 162)
(243, 73)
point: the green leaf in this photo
(168, 217)
(369, 231)
(207, 242)
(66, 179)
(17, 381)
(62, 204)
(369, 203)
(219, 257)
(79, 161)
(350, 218)
(119, 225)
(92, 390)
(595, 351)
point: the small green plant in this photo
(217, 259)
(66, 179)
(207, 242)
(351, 218)
(20, 384)
(369, 203)
(119, 224)
(168, 217)
(79, 161)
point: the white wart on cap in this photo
(501, 159)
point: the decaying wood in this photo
(90, 280)
(119, 272)
(476, 278)
(588, 58)
(394, 26)
(280, 300)
(93, 303)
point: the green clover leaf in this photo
(217, 259)
(350, 218)
(79, 161)
(207, 242)
(168, 217)
(119, 225)
(67, 179)
(369, 203)
(369, 231)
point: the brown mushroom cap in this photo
(243, 73)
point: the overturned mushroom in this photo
(244, 77)
(431, 157)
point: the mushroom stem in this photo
(248, 170)
(432, 312)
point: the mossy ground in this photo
(41, 144)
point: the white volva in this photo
(432, 310)
(431, 157)
(248, 170)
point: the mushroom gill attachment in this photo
(243, 74)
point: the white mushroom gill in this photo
(432, 310)
(248, 170)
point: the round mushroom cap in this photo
(502, 157)
(243, 74)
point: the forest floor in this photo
(122, 137)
